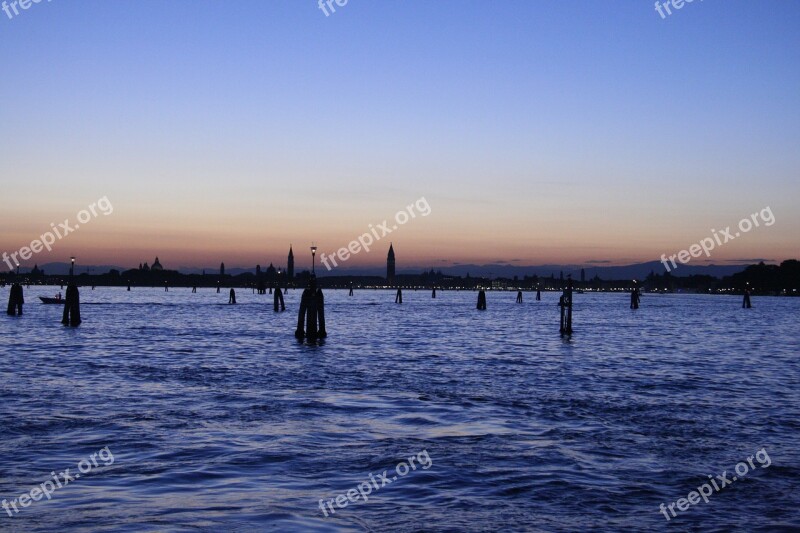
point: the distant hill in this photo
(635, 271)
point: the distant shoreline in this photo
(84, 283)
(783, 279)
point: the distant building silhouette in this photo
(222, 269)
(156, 266)
(583, 276)
(290, 264)
(390, 265)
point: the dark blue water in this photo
(218, 419)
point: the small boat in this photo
(51, 300)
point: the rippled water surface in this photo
(219, 420)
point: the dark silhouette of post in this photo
(519, 297)
(398, 299)
(538, 294)
(129, 288)
(194, 289)
(232, 297)
(482, 300)
(322, 333)
(635, 296)
(745, 303)
(565, 302)
(72, 307)
(351, 289)
(433, 295)
(278, 300)
(312, 312)
(15, 300)
(166, 287)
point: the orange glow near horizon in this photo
(181, 240)
(243, 230)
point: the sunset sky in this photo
(539, 132)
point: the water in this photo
(218, 419)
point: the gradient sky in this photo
(539, 132)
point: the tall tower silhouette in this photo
(222, 269)
(290, 264)
(390, 265)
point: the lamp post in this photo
(313, 256)
(72, 267)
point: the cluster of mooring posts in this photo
(16, 299)
(565, 303)
(278, 300)
(312, 313)
(635, 296)
(481, 300)
(311, 316)
(72, 307)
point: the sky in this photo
(538, 132)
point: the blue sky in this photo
(546, 131)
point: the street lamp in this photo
(313, 256)
(72, 267)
